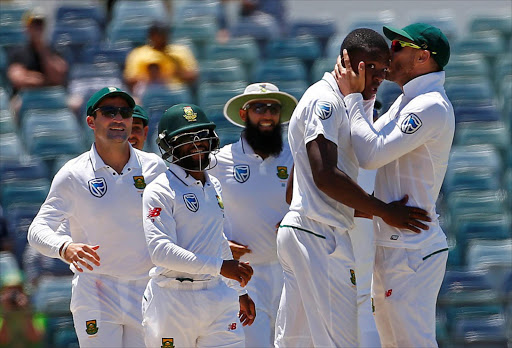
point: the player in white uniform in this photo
(99, 196)
(318, 304)
(186, 302)
(411, 145)
(253, 173)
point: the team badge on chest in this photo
(241, 173)
(91, 327)
(282, 172)
(191, 202)
(139, 182)
(220, 202)
(167, 343)
(98, 187)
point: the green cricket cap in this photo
(427, 37)
(182, 118)
(105, 92)
(139, 112)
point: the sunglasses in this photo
(112, 111)
(262, 108)
(397, 45)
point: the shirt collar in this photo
(97, 161)
(424, 84)
(185, 177)
(332, 82)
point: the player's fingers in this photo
(78, 268)
(361, 68)
(404, 199)
(84, 263)
(346, 59)
(90, 258)
(419, 225)
(420, 214)
(412, 228)
(246, 267)
(92, 251)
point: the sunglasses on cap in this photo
(112, 111)
(397, 45)
(262, 108)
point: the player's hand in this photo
(403, 216)
(238, 250)
(82, 255)
(360, 214)
(247, 312)
(348, 80)
(236, 270)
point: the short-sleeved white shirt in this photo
(103, 208)
(410, 144)
(254, 193)
(321, 110)
(183, 224)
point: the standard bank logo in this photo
(241, 173)
(323, 110)
(191, 202)
(410, 124)
(98, 187)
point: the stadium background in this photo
(475, 303)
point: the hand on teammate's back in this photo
(236, 270)
(403, 216)
(238, 250)
(247, 312)
(80, 254)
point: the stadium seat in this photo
(444, 20)
(376, 22)
(75, 35)
(228, 134)
(295, 87)
(200, 30)
(217, 94)
(244, 49)
(487, 43)
(287, 69)
(12, 148)
(500, 23)
(305, 48)
(42, 98)
(130, 32)
(72, 12)
(320, 67)
(332, 49)
(53, 295)
(260, 30)
(477, 203)
(4, 99)
(26, 169)
(105, 53)
(492, 133)
(128, 9)
(12, 36)
(7, 123)
(494, 256)
(489, 332)
(12, 13)
(224, 70)
(322, 30)
(189, 9)
(467, 287)
(467, 65)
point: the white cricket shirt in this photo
(103, 208)
(254, 193)
(321, 110)
(411, 145)
(183, 223)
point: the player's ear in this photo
(243, 114)
(90, 122)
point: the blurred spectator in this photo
(35, 64)
(19, 327)
(177, 65)
(154, 77)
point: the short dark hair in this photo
(159, 27)
(364, 40)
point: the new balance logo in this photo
(154, 212)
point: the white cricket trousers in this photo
(265, 290)
(191, 314)
(318, 306)
(362, 237)
(406, 283)
(106, 311)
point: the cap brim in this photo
(391, 33)
(145, 120)
(233, 106)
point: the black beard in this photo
(269, 143)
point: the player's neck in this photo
(114, 155)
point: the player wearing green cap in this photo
(187, 302)
(410, 144)
(92, 219)
(140, 127)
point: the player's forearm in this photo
(166, 254)
(45, 240)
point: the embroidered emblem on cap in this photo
(323, 110)
(189, 115)
(411, 124)
(263, 88)
(112, 89)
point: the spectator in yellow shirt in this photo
(177, 63)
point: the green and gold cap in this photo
(427, 37)
(182, 118)
(105, 92)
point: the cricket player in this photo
(187, 303)
(318, 306)
(410, 144)
(140, 128)
(253, 173)
(99, 195)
